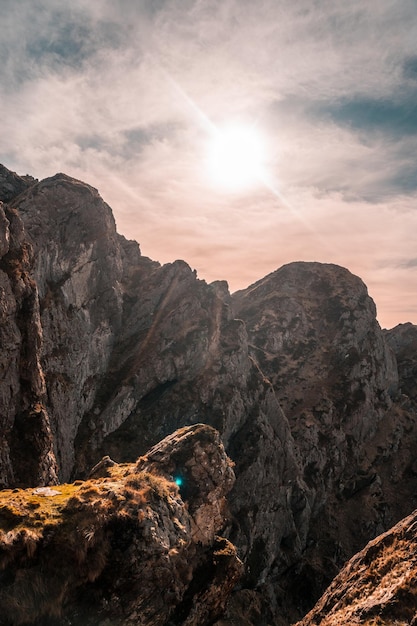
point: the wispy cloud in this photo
(124, 94)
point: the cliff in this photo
(106, 352)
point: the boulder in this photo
(127, 548)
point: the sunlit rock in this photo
(127, 547)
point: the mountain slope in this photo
(377, 586)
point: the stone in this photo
(194, 457)
(11, 184)
(27, 453)
(402, 339)
(377, 586)
(122, 548)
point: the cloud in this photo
(125, 94)
(410, 263)
(394, 118)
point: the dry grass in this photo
(378, 586)
(50, 544)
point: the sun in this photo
(236, 158)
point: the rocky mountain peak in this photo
(11, 184)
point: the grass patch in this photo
(55, 539)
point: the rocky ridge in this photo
(314, 403)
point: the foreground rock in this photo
(378, 585)
(130, 547)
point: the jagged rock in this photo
(195, 457)
(403, 341)
(313, 332)
(24, 420)
(11, 184)
(316, 345)
(119, 330)
(101, 468)
(377, 586)
(123, 549)
(77, 270)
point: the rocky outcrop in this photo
(24, 419)
(195, 457)
(131, 547)
(120, 332)
(77, 270)
(294, 372)
(377, 586)
(11, 184)
(403, 341)
(312, 329)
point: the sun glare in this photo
(236, 158)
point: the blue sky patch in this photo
(391, 117)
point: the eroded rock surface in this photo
(11, 184)
(26, 442)
(335, 440)
(377, 586)
(403, 341)
(126, 548)
(195, 457)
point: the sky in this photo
(129, 95)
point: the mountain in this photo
(106, 352)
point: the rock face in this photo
(125, 548)
(24, 420)
(403, 341)
(377, 586)
(105, 352)
(11, 184)
(195, 457)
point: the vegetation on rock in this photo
(118, 546)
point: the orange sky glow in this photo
(131, 98)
